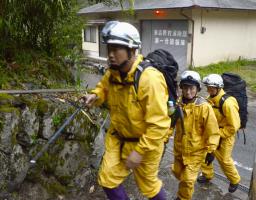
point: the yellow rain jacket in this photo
(229, 123)
(201, 135)
(201, 131)
(143, 115)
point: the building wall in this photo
(90, 48)
(169, 14)
(229, 35)
(164, 14)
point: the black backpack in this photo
(235, 86)
(163, 61)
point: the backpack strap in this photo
(148, 63)
(140, 68)
(222, 100)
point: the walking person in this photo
(196, 136)
(139, 119)
(229, 124)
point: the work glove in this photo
(209, 158)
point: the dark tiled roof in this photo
(155, 4)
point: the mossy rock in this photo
(48, 162)
(6, 99)
(65, 180)
(8, 109)
(54, 187)
(42, 107)
(30, 102)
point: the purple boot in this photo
(117, 193)
(160, 196)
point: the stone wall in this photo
(26, 124)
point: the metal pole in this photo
(39, 91)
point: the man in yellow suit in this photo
(139, 119)
(229, 123)
(196, 136)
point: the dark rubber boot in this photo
(160, 196)
(117, 193)
(202, 179)
(232, 187)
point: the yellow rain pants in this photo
(229, 123)
(201, 136)
(143, 115)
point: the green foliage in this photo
(111, 2)
(37, 25)
(56, 120)
(35, 39)
(6, 98)
(42, 107)
(56, 188)
(59, 118)
(115, 3)
(48, 162)
(245, 68)
(6, 109)
(1, 124)
(34, 138)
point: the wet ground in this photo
(217, 189)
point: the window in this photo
(90, 34)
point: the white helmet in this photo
(190, 78)
(115, 32)
(214, 80)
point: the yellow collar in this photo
(215, 100)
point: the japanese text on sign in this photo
(170, 37)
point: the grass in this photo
(35, 70)
(245, 68)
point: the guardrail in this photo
(39, 91)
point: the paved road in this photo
(217, 189)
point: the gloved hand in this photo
(209, 158)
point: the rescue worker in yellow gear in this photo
(139, 119)
(229, 123)
(196, 135)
